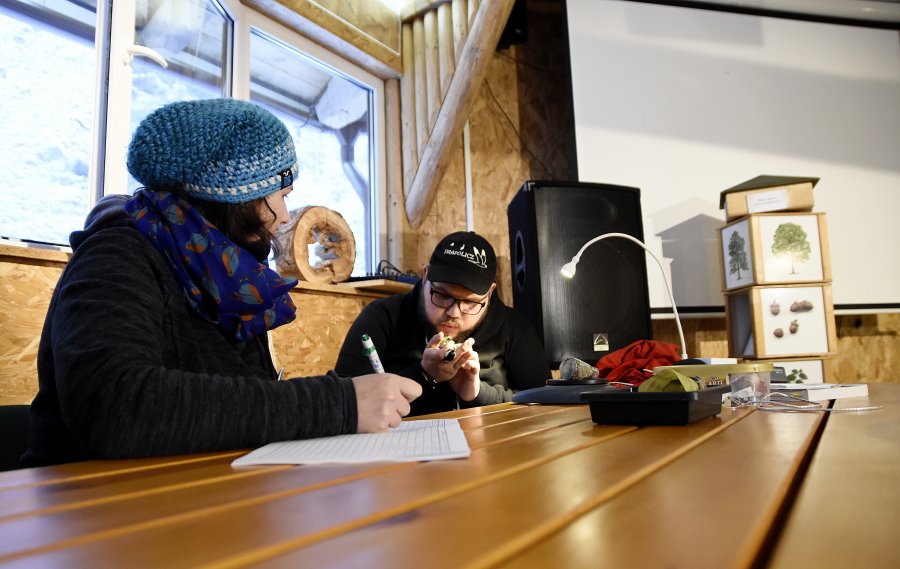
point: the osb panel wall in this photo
(374, 18)
(868, 348)
(366, 33)
(703, 337)
(26, 287)
(447, 214)
(310, 344)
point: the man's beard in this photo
(459, 338)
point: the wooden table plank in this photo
(86, 483)
(102, 470)
(710, 509)
(489, 522)
(245, 512)
(154, 489)
(847, 513)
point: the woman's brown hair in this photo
(240, 222)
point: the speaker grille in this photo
(607, 298)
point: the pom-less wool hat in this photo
(221, 150)
(465, 259)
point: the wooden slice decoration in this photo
(316, 246)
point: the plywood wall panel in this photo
(448, 212)
(704, 337)
(25, 290)
(868, 348)
(310, 344)
(366, 33)
(375, 19)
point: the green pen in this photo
(369, 351)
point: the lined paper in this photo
(427, 439)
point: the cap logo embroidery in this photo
(287, 178)
(478, 258)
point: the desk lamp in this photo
(568, 271)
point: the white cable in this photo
(568, 271)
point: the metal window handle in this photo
(142, 51)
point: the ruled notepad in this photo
(427, 439)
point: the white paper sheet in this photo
(427, 439)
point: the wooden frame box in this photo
(768, 193)
(805, 370)
(774, 248)
(774, 322)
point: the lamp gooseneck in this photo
(568, 271)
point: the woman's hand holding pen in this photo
(462, 371)
(382, 400)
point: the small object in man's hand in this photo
(447, 342)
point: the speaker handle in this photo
(519, 267)
(568, 271)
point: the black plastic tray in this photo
(624, 407)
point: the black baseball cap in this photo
(466, 259)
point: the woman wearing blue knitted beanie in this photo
(155, 342)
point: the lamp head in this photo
(568, 270)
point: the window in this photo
(329, 116)
(45, 146)
(56, 155)
(193, 38)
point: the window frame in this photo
(377, 213)
(115, 34)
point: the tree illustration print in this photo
(737, 254)
(791, 242)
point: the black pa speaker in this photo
(605, 306)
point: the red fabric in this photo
(628, 364)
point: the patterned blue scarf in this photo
(224, 283)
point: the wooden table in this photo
(544, 487)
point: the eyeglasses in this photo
(445, 301)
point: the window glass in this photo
(50, 83)
(329, 118)
(47, 78)
(193, 36)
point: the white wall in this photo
(684, 103)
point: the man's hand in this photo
(462, 371)
(382, 400)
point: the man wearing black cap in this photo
(495, 350)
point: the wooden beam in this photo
(473, 10)
(460, 26)
(337, 35)
(470, 71)
(421, 97)
(397, 227)
(408, 108)
(446, 55)
(432, 67)
(415, 8)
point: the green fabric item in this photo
(668, 380)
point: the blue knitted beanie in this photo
(221, 150)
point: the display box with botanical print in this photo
(802, 370)
(774, 248)
(777, 321)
